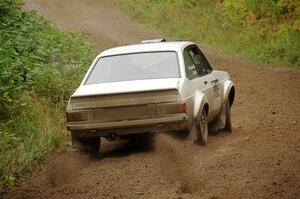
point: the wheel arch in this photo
(231, 95)
(200, 103)
(206, 108)
(229, 92)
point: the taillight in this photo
(171, 108)
(76, 116)
(181, 108)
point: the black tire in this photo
(228, 122)
(95, 145)
(199, 132)
(91, 145)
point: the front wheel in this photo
(228, 122)
(200, 129)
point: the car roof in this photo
(147, 47)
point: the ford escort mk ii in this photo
(149, 87)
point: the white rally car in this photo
(148, 87)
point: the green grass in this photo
(271, 36)
(28, 138)
(39, 68)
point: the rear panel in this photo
(126, 99)
(122, 107)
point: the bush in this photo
(36, 57)
(39, 68)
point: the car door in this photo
(199, 75)
(214, 80)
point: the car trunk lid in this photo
(126, 87)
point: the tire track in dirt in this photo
(259, 160)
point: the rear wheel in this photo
(199, 131)
(91, 144)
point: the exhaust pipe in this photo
(111, 137)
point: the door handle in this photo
(215, 81)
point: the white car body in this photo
(210, 91)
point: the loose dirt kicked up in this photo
(260, 159)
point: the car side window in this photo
(190, 67)
(201, 63)
(204, 60)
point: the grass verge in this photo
(268, 31)
(39, 68)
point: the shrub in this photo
(39, 68)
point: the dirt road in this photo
(261, 159)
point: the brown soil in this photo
(259, 160)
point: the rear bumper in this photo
(174, 122)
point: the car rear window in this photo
(136, 66)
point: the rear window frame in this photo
(140, 52)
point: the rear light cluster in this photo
(181, 108)
(76, 116)
(173, 108)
